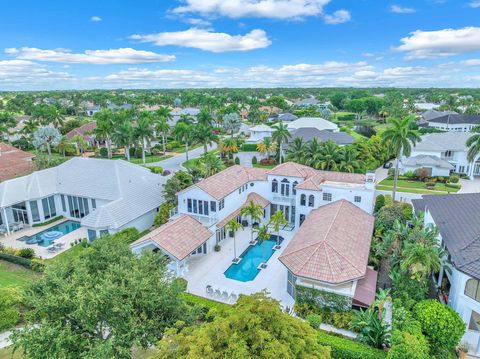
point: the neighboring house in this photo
(14, 162)
(313, 122)
(287, 117)
(105, 196)
(425, 106)
(92, 110)
(85, 131)
(259, 133)
(432, 114)
(436, 149)
(125, 106)
(309, 133)
(15, 133)
(311, 101)
(455, 122)
(325, 209)
(457, 218)
(177, 113)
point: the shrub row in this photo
(342, 348)
(338, 319)
(249, 147)
(47, 222)
(33, 264)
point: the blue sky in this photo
(238, 43)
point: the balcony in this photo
(284, 199)
(207, 221)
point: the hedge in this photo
(322, 299)
(24, 262)
(342, 348)
(47, 222)
(249, 147)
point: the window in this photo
(205, 208)
(221, 204)
(285, 187)
(327, 196)
(474, 323)
(103, 232)
(311, 200)
(303, 200)
(274, 186)
(252, 184)
(200, 207)
(357, 199)
(195, 208)
(189, 205)
(213, 206)
(94, 203)
(48, 205)
(92, 235)
(78, 206)
(302, 218)
(294, 187)
(239, 190)
(34, 210)
(472, 290)
(64, 209)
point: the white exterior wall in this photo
(459, 127)
(436, 171)
(346, 289)
(258, 136)
(458, 160)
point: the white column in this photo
(6, 220)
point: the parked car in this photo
(388, 165)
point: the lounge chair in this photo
(209, 290)
(218, 293)
(233, 297)
(225, 295)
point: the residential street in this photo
(175, 163)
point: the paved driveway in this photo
(470, 186)
(174, 164)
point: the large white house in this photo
(440, 154)
(313, 122)
(259, 133)
(105, 196)
(454, 122)
(457, 218)
(331, 211)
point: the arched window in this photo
(274, 186)
(472, 289)
(285, 188)
(294, 188)
(303, 200)
(311, 200)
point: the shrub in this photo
(37, 264)
(430, 185)
(453, 185)
(322, 299)
(342, 348)
(314, 320)
(156, 169)
(249, 147)
(217, 248)
(422, 173)
(409, 174)
(440, 323)
(454, 179)
(24, 262)
(441, 179)
(163, 214)
(386, 217)
(379, 202)
(408, 346)
(103, 152)
(237, 160)
(391, 171)
(28, 253)
(10, 300)
(254, 160)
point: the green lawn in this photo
(258, 165)
(12, 275)
(6, 353)
(67, 255)
(415, 187)
(138, 161)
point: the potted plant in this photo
(217, 247)
(462, 350)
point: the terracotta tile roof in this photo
(252, 197)
(292, 169)
(314, 182)
(227, 181)
(85, 131)
(366, 289)
(14, 162)
(179, 237)
(332, 245)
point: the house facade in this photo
(259, 133)
(440, 154)
(456, 217)
(105, 196)
(295, 190)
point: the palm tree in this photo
(297, 151)
(105, 129)
(349, 162)
(228, 146)
(123, 132)
(204, 117)
(277, 220)
(30, 126)
(144, 130)
(266, 147)
(381, 298)
(254, 211)
(233, 226)
(204, 134)
(211, 163)
(80, 144)
(262, 235)
(232, 123)
(280, 135)
(7, 121)
(185, 118)
(160, 119)
(400, 137)
(183, 133)
(421, 260)
(473, 144)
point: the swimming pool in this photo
(64, 228)
(247, 270)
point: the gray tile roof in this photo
(454, 119)
(453, 141)
(309, 133)
(457, 218)
(433, 114)
(427, 160)
(130, 190)
(287, 116)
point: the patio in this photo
(12, 239)
(209, 270)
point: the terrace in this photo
(209, 270)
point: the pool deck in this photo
(12, 239)
(209, 270)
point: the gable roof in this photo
(262, 128)
(179, 237)
(455, 119)
(332, 245)
(453, 141)
(85, 131)
(14, 162)
(315, 122)
(252, 197)
(457, 218)
(309, 133)
(287, 116)
(433, 114)
(292, 169)
(427, 160)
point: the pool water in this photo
(246, 270)
(64, 227)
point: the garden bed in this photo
(413, 186)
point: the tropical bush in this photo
(314, 320)
(342, 348)
(163, 214)
(322, 299)
(10, 302)
(28, 253)
(408, 346)
(103, 152)
(440, 323)
(453, 179)
(254, 160)
(156, 169)
(237, 160)
(379, 202)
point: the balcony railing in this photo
(207, 221)
(284, 199)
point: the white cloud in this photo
(208, 40)
(99, 57)
(441, 43)
(471, 62)
(197, 21)
(21, 74)
(338, 17)
(275, 9)
(398, 9)
(96, 19)
(474, 4)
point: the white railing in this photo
(283, 199)
(207, 221)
